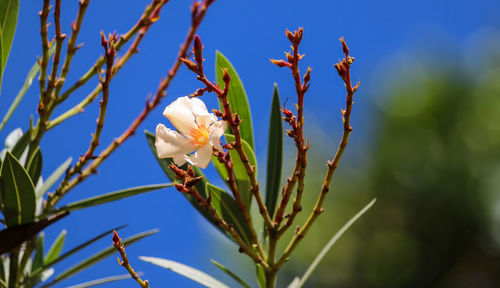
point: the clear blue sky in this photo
(248, 33)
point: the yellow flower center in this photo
(199, 135)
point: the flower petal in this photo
(216, 131)
(169, 143)
(201, 157)
(180, 159)
(180, 113)
(206, 120)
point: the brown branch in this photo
(199, 14)
(72, 47)
(59, 38)
(117, 243)
(343, 68)
(109, 52)
(297, 124)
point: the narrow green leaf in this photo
(242, 180)
(96, 258)
(231, 274)
(65, 255)
(8, 21)
(275, 154)
(39, 252)
(109, 197)
(332, 241)
(230, 211)
(56, 248)
(35, 165)
(261, 276)
(237, 97)
(186, 271)
(14, 236)
(18, 192)
(21, 145)
(20, 95)
(53, 178)
(101, 281)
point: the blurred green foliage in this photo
(434, 166)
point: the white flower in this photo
(199, 131)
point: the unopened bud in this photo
(345, 49)
(280, 63)
(225, 75)
(192, 181)
(198, 50)
(190, 171)
(307, 76)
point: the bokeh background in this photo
(426, 141)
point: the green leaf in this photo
(17, 192)
(230, 211)
(21, 145)
(109, 197)
(8, 21)
(56, 248)
(14, 236)
(27, 84)
(237, 97)
(39, 253)
(261, 276)
(332, 241)
(275, 154)
(96, 258)
(231, 274)
(65, 255)
(240, 172)
(186, 271)
(101, 281)
(35, 165)
(53, 178)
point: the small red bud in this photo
(225, 75)
(345, 49)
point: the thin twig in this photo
(44, 14)
(72, 47)
(343, 69)
(59, 38)
(117, 242)
(296, 133)
(110, 53)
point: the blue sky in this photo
(248, 33)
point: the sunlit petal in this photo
(201, 157)
(216, 131)
(180, 113)
(169, 143)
